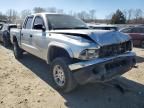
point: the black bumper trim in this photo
(105, 71)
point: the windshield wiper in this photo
(80, 28)
(63, 28)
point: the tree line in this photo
(131, 16)
(12, 16)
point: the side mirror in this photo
(39, 27)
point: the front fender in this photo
(60, 45)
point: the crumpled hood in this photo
(102, 37)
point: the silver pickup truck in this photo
(76, 53)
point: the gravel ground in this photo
(26, 84)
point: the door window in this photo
(38, 21)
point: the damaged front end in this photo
(112, 61)
(100, 55)
(113, 58)
(103, 69)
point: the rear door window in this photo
(28, 23)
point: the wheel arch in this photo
(14, 38)
(58, 50)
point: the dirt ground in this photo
(26, 84)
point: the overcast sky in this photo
(102, 7)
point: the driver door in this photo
(38, 36)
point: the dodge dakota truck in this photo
(76, 53)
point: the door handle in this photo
(31, 36)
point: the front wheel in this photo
(62, 77)
(17, 51)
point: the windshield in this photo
(65, 22)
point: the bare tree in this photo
(39, 10)
(61, 11)
(51, 10)
(125, 12)
(3, 18)
(130, 14)
(92, 14)
(25, 13)
(83, 15)
(12, 15)
(108, 18)
(54, 10)
(138, 15)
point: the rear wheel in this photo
(17, 51)
(62, 78)
(6, 42)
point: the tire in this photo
(142, 44)
(69, 82)
(5, 39)
(17, 51)
(6, 42)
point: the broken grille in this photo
(115, 49)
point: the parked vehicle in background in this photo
(76, 54)
(5, 33)
(103, 27)
(137, 35)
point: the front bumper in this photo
(103, 69)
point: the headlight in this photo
(89, 54)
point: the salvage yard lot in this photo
(26, 84)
